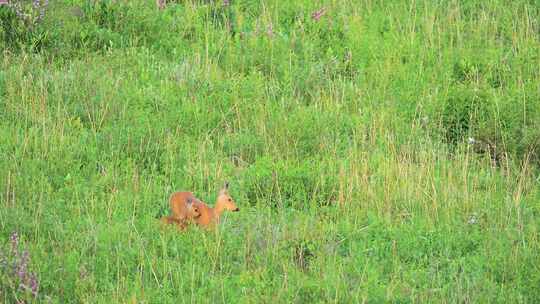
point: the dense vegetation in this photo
(380, 151)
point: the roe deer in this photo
(201, 213)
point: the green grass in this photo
(344, 139)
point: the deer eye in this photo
(230, 200)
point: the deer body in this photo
(182, 210)
(181, 204)
(186, 208)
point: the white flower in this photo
(473, 219)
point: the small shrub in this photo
(465, 71)
(462, 111)
(280, 183)
(491, 124)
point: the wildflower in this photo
(14, 265)
(16, 6)
(473, 219)
(14, 239)
(226, 2)
(471, 140)
(22, 267)
(34, 285)
(42, 9)
(318, 14)
(28, 15)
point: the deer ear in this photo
(225, 188)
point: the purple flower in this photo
(31, 15)
(226, 2)
(15, 266)
(25, 257)
(34, 285)
(23, 266)
(14, 239)
(42, 9)
(18, 10)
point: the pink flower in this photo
(318, 14)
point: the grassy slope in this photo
(329, 131)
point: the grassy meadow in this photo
(379, 151)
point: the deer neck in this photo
(218, 210)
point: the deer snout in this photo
(237, 209)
